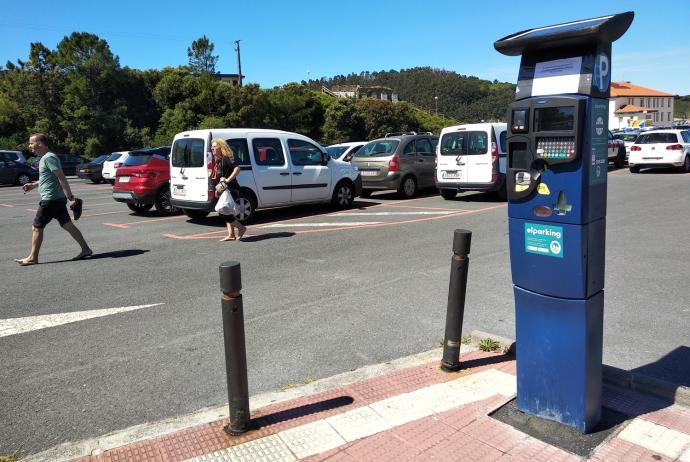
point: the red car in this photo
(144, 181)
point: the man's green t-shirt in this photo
(48, 185)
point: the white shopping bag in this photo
(226, 204)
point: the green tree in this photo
(342, 122)
(201, 58)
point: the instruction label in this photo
(544, 240)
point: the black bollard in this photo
(235, 351)
(456, 299)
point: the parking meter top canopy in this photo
(568, 58)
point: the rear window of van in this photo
(464, 143)
(188, 152)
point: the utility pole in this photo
(239, 63)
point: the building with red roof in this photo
(632, 105)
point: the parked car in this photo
(92, 170)
(400, 161)
(344, 151)
(661, 148)
(144, 181)
(616, 151)
(13, 172)
(472, 158)
(35, 161)
(69, 163)
(628, 138)
(111, 165)
(12, 155)
(278, 169)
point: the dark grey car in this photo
(403, 162)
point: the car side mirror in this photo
(325, 158)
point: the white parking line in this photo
(14, 326)
(310, 225)
(365, 214)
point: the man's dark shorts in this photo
(47, 210)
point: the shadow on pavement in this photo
(263, 237)
(301, 411)
(118, 254)
(672, 367)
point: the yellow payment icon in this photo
(543, 189)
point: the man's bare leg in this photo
(36, 241)
(76, 234)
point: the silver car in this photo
(404, 162)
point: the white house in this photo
(631, 105)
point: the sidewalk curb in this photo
(150, 430)
(667, 391)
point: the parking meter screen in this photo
(550, 119)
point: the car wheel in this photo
(448, 194)
(95, 181)
(620, 158)
(408, 187)
(163, 205)
(247, 204)
(343, 195)
(686, 165)
(138, 207)
(634, 169)
(22, 179)
(195, 214)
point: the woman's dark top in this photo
(225, 169)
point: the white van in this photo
(471, 158)
(278, 168)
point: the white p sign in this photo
(602, 77)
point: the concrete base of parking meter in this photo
(235, 350)
(559, 354)
(457, 289)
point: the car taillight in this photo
(612, 145)
(394, 164)
(144, 174)
(674, 147)
(494, 152)
(117, 164)
(635, 148)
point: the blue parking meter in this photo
(556, 182)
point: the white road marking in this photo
(309, 225)
(365, 214)
(14, 326)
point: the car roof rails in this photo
(399, 134)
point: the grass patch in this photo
(10, 458)
(489, 344)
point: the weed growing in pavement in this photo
(10, 458)
(466, 340)
(489, 344)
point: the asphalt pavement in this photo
(324, 293)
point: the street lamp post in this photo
(436, 100)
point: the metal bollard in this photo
(456, 299)
(235, 351)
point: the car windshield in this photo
(336, 151)
(99, 160)
(379, 148)
(114, 156)
(651, 138)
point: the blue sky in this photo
(287, 41)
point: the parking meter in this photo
(556, 184)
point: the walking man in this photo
(55, 193)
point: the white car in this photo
(111, 164)
(344, 151)
(661, 148)
(278, 169)
(472, 157)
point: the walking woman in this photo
(225, 171)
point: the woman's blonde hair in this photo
(225, 150)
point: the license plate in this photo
(368, 172)
(124, 179)
(81, 170)
(451, 174)
(178, 190)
